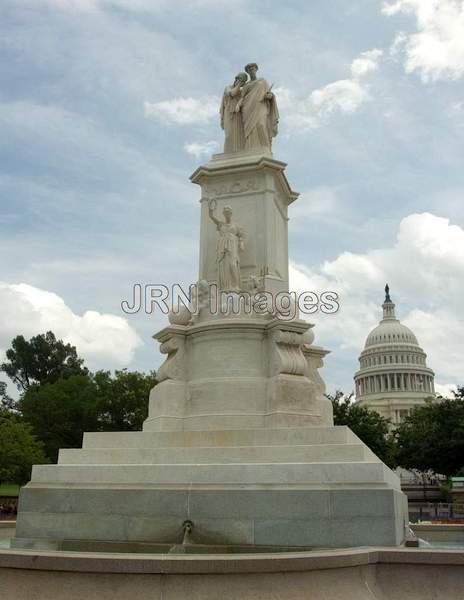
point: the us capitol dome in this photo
(393, 377)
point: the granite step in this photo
(224, 438)
(215, 455)
(355, 473)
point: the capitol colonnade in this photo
(404, 382)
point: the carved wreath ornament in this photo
(235, 187)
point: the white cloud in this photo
(366, 63)
(184, 111)
(341, 330)
(436, 50)
(296, 113)
(441, 333)
(319, 202)
(346, 95)
(343, 96)
(425, 269)
(427, 262)
(103, 340)
(285, 97)
(445, 389)
(198, 150)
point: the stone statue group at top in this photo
(249, 114)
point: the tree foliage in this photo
(368, 425)
(42, 359)
(122, 399)
(6, 402)
(60, 412)
(19, 449)
(60, 398)
(432, 437)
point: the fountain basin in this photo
(351, 574)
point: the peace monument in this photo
(239, 447)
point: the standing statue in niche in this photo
(229, 245)
(231, 120)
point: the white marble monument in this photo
(239, 439)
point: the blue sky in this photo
(107, 107)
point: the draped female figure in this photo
(260, 115)
(231, 120)
(229, 245)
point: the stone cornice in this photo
(241, 324)
(223, 164)
(386, 348)
(407, 368)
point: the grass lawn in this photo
(9, 489)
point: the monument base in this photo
(312, 487)
(239, 438)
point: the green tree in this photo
(432, 437)
(42, 359)
(6, 402)
(122, 399)
(368, 425)
(60, 412)
(19, 449)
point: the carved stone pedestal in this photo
(236, 373)
(256, 189)
(240, 437)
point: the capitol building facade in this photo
(393, 377)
